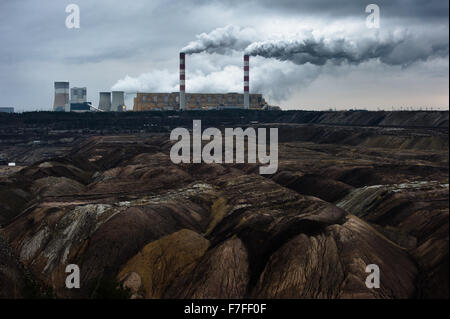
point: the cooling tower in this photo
(104, 103)
(246, 81)
(118, 101)
(182, 81)
(61, 102)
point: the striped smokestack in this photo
(246, 81)
(182, 81)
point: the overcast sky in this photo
(305, 54)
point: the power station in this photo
(115, 101)
(201, 101)
(196, 101)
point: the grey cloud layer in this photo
(141, 37)
(410, 9)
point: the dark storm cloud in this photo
(391, 8)
(35, 29)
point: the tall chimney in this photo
(182, 81)
(246, 81)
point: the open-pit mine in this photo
(98, 190)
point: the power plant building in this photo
(78, 100)
(115, 101)
(200, 101)
(78, 95)
(203, 101)
(61, 101)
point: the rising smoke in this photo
(400, 47)
(279, 77)
(390, 50)
(221, 40)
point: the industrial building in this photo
(203, 101)
(115, 101)
(6, 110)
(200, 101)
(61, 101)
(80, 107)
(78, 95)
(78, 100)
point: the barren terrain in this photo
(352, 189)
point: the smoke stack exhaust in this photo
(246, 81)
(182, 81)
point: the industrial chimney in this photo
(182, 81)
(118, 101)
(246, 81)
(61, 102)
(104, 103)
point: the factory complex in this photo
(115, 102)
(77, 101)
(195, 101)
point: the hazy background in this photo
(134, 46)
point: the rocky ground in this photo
(140, 226)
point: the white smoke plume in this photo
(283, 65)
(221, 40)
(398, 47)
(393, 49)
(226, 79)
(153, 81)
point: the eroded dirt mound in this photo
(140, 226)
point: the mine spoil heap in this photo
(352, 189)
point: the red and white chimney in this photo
(246, 81)
(182, 81)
